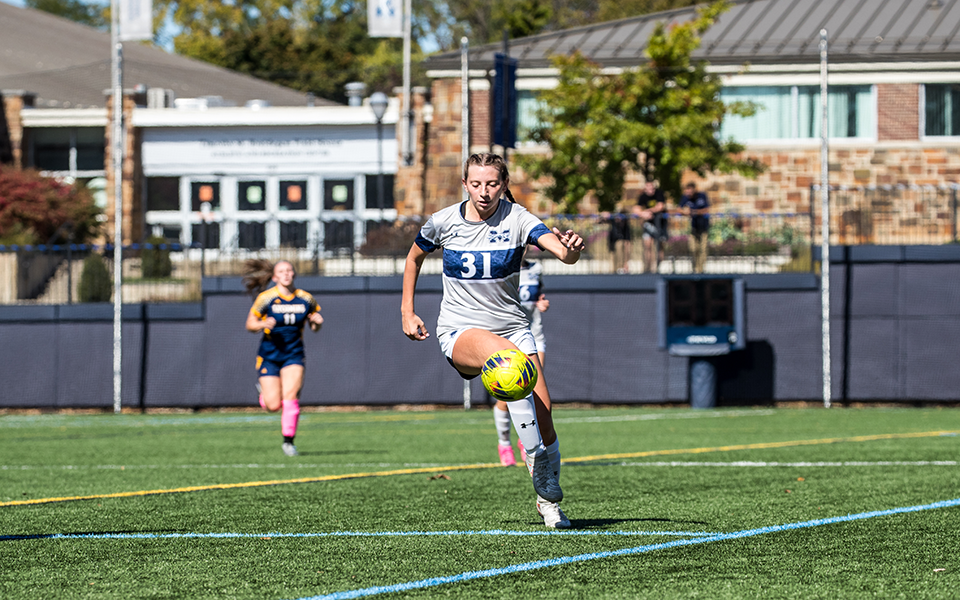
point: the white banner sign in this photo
(384, 18)
(252, 151)
(136, 20)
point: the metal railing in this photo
(738, 243)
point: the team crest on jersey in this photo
(501, 237)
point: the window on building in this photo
(338, 235)
(293, 195)
(163, 193)
(373, 193)
(251, 235)
(202, 192)
(293, 234)
(251, 195)
(67, 149)
(90, 149)
(170, 233)
(206, 235)
(528, 105)
(793, 112)
(941, 109)
(51, 149)
(338, 194)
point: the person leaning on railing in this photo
(652, 209)
(697, 206)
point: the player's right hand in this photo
(414, 328)
(269, 323)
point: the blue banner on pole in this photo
(505, 101)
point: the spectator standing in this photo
(695, 204)
(652, 209)
(619, 240)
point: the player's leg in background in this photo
(649, 254)
(270, 393)
(501, 419)
(291, 378)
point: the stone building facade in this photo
(897, 172)
(894, 165)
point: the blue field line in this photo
(554, 562)
(484, 532)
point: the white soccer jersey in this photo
(531, 280)
(481, 266)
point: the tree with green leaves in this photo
(310, 45)
(92, 14)
(661, 119)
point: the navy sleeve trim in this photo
(425, 244)
(535, 235)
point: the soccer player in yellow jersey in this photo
(279, 314)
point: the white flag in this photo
(136, 20)
(384, 18)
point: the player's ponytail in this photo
(508, 195)
(257, 273)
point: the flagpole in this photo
(116, 153)
(405, 136)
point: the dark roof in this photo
(758, 32)
(68, 66)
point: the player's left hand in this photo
(316, 321)
(542, 303)
(570, 240)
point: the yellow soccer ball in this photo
(509, 375)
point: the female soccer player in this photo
(533, 301)
(483, 239)
(280, 313)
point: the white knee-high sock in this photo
(524, 417)
(501, 418)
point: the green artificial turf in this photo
(71, 497)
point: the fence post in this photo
(69, 273)
(813, 226)
(953, 213)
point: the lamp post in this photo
(378, 102)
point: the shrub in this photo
(155, 262)
(33, 208)
(95, 281)
(390, 240)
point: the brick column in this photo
(132, 173)
(409, 183)
(11, 125)
(442, 180)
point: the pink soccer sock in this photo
(289, 417)
(263, 404)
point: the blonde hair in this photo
(258, 273)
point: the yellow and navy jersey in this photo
(290, 313)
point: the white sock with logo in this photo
(524, 417)
(501, 418)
